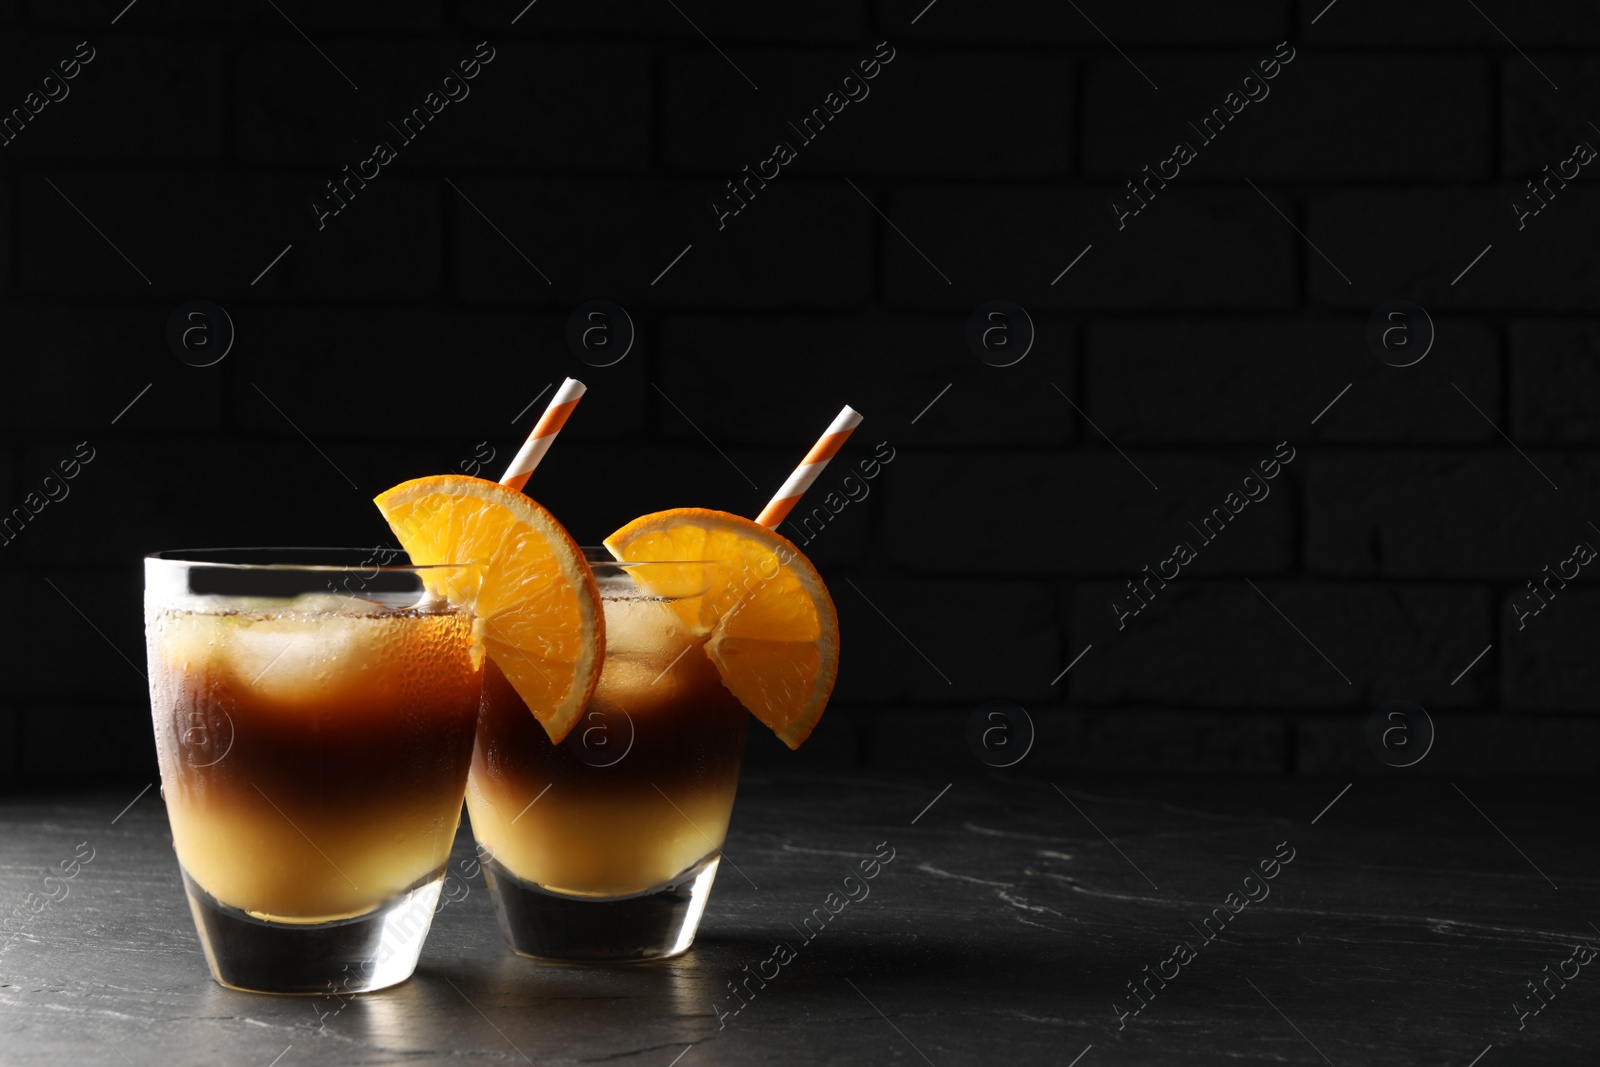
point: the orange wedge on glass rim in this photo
(539, 610)
(770, 626)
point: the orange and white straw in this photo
(538, 442)
(827, 446)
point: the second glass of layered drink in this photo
(618, 693)
(604, 847)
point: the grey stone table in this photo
(1402, 922)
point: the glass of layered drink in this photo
(604, 847)
(313, 714)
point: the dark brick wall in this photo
(1220, 320)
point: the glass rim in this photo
(591, 557)
(188, 557)
(596, 556)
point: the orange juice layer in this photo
(312, 762)
(643, 786)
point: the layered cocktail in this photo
(314, 719)
(632, 807)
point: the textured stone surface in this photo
(1010, 921)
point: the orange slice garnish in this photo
(770, 626)
(542, 621)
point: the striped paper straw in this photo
(538, 442)
(827, 445)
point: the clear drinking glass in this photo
(313, 714)
(603, 848)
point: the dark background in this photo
(432, 310)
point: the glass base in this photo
(355, 955)
(652, 925)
